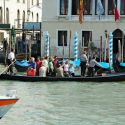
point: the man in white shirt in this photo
(83, 60)
(11, 57)
(91, 67)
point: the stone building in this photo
(61, 19)
(13, 13)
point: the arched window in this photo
(110, 7)
(75, 7)
(7, 15)
(122, 7)
(23, 1)
(32, 2)
(37, 2)
(23, 16)
(103, 4)
(63, 7)
(1, 15)
(32, 17)
(18, 19)
(37, 17)
(87, 7)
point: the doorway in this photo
(117, 44)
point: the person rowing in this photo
(91, 67)
(11, 60)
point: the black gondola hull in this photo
(109, 78)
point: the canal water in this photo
(65, 103)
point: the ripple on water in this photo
(66, 104)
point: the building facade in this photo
(16, 12)
(61, 19)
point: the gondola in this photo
(113, 77)
(6, 103)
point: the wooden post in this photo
(63, 43)
(69, 43)
(101, 49)
(122, 47)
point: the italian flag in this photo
(116, 12)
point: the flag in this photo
(99, 8)
(116, 13)
(81, 12)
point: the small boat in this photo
(113, 77)
(6, 102)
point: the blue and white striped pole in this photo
(46, 43)
(75, 46)
(111, 50)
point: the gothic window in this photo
(63, 7)
(86, 37)
(23, 1)
(37, 17)
(75, 7)
(32, 2)
(103, 4)
(87, 7)
(110, 7)
(23, 16)
(62, 38)
(37, 2)
(122, 7)
(18, 19)
(7, 15)
(1, 15)
(32, 17)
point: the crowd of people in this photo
(54, 67)
(51, 66)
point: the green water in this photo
(68, 103)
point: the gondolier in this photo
(11, 58)
(83, 63)
(92, 63)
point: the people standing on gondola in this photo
(59, 71)
(45, 62)
(91, 67)
(50, 67)
(42, 71)
(72, 70)
(66, 68)
(38, 65)
(10, 61)
(55, 64)
(32, 65)
(83, 62)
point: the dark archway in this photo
(117, 35)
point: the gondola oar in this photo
(7, 67)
